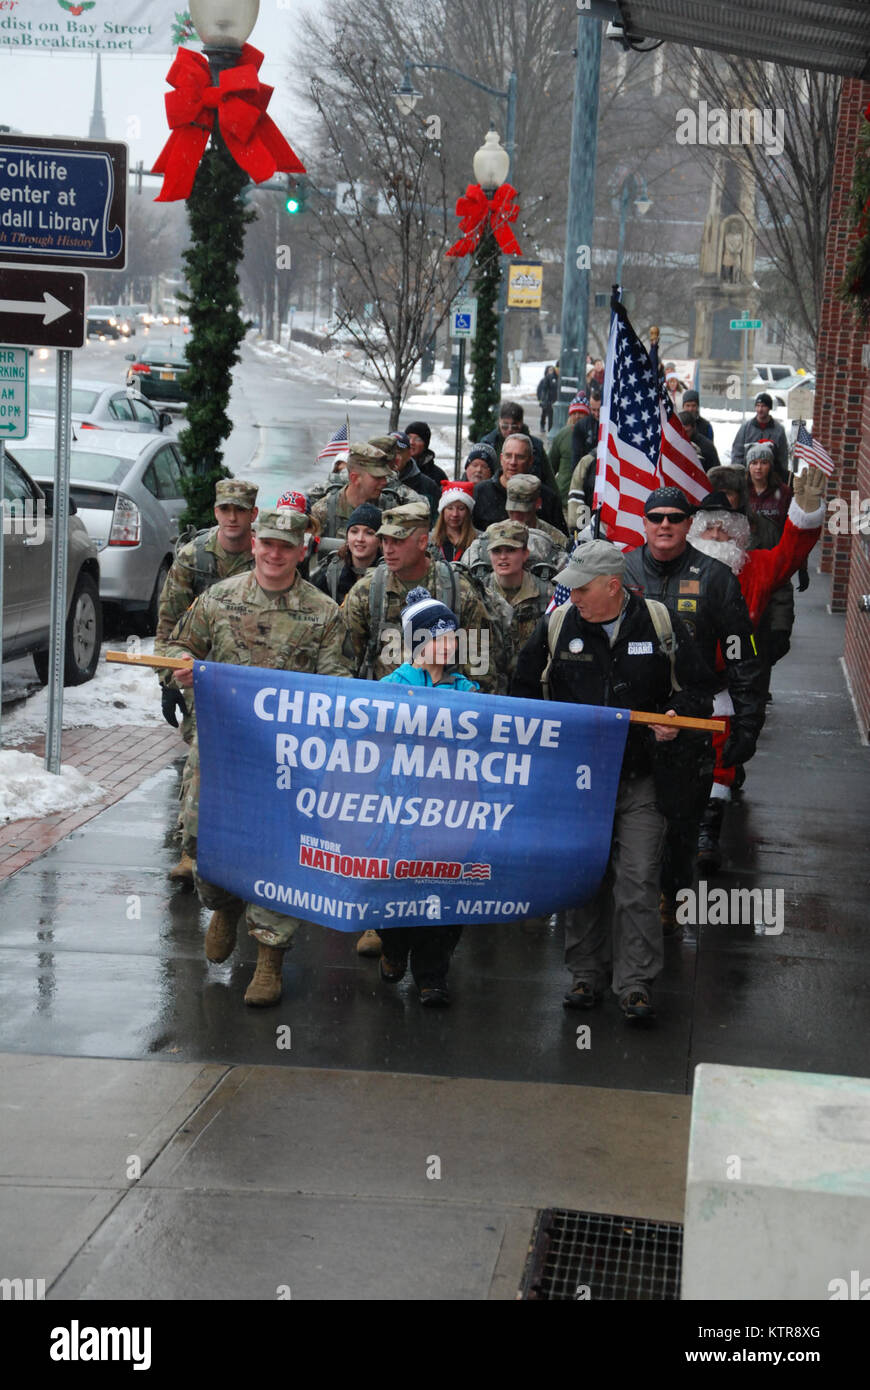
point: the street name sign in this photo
(13, 393)
(463, 318)
(42, 308)
(63, 202)
(746, 323)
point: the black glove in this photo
(803, 579)
(172, 700)
(739, 748)
(778, 644)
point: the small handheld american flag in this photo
(812, 453)
(337, 444)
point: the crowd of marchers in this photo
(392, 571)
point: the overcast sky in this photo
(52, 94)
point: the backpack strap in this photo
(555, 622)
(661, 621)
(377, 612)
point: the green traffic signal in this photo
(297, 196)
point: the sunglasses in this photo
(659, 518)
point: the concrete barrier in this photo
(778, 1186)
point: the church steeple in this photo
(97, 129)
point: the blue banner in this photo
(356, 804)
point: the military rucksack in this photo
(448, 590)
(204, 570)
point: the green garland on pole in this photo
(855, 289)
(217, 219)
(485, 391)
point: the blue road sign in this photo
(463, 317)
(63, 202)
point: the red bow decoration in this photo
(240, 100)
(473, 208)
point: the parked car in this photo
(768, 373)
(27, 576)
(101, 322)
(98, 405)
(783, 388)
(127, 488)
(158, 369)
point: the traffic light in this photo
(297, 196)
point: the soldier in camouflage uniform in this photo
(215, 553)
(525, 596)
(523, 499)
(369, 471)
(273, 618)
(545, 543)
(374, 604)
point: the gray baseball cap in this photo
(588, 562)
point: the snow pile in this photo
(27, 790)
(118, 694)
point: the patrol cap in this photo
(523, 491)
(281, 524)
(235, 492)
(370, 458)
(510, 533)
(588, 561)
(402, 522)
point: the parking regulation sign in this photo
(463, 318)
(13, 393)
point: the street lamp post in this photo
(630, 190)
(406, 97)
(217, 217)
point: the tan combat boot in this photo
(265, 988)
(220, 939)
(183, 870)
(369, 944)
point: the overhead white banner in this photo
(107, 26)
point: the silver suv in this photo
(29, 527)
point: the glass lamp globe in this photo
(224, 23)
(491, 162)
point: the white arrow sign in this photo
(49, 310)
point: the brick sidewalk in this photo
(118, 759)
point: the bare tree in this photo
(389, 226)
(792, 172)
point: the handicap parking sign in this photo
(463, 318)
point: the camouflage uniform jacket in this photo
(296, 629)
(472, 614)
(546, 557)
(528, 604)
(186, 581)
(237, 622)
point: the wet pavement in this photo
(162, 1142)
(101, 956)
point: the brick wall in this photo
(857, 649)
(840, 378)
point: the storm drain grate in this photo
(579, 1255)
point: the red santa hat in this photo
(459, 491)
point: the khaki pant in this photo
(618, 932)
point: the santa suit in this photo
(762, 572)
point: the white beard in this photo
(729, 552)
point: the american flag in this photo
(641, 444)
(338, 442)
(476, 871)
(806, 448)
